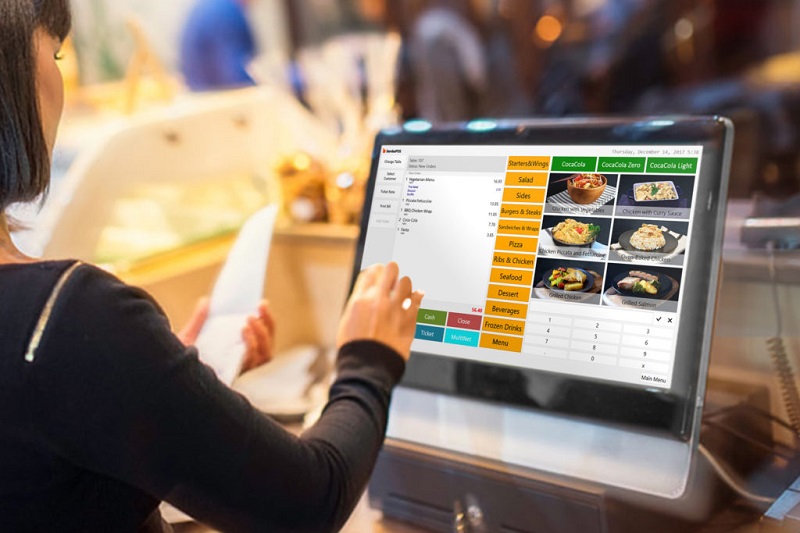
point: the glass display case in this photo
(155, 218)
(179, 174)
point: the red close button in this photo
(457, 320)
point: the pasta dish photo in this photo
(575, 233)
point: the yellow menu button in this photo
(528, 163)
(503, 292)
(506, 309)
(516, 244)
(501, 342)
(526, 179)
(512, 277)
(526, 195)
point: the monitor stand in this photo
(444, 494)
(443, 481)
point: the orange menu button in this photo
(502, 292)
(501, 325)
(518, 227)
(520, 211)
(514, 260)
(506, 309)
(501, 342)
(527, 195)
(516, 244)
(526, 179)
(528, 163)
(513, 277)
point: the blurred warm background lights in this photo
(548, 29)
(302, 161)
(684, 29)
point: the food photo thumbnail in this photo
(577, 237)
(568, 281)
(581, 194)
(642, 287)
(649, 241)
(655, 196)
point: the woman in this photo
(104, 412)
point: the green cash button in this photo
(574, 164)
(672, 165)
(621, 164)
(428, 316)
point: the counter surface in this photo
(367, 520)
(363, 520)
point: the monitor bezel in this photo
(673, 411)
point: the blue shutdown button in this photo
(429, 333)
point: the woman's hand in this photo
(259, 338)
(258, 333)
(382, 308)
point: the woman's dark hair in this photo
(24, 156)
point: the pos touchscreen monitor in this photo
(569, 266)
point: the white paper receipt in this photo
(236, 295)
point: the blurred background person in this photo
(216, 46)
(449, 61)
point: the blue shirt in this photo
(216, 45)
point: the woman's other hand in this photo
(382, 308)
(259, 337)
(258, 333)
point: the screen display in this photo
(567, 259)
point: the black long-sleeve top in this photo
(115, 414)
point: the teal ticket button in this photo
(621, 164)
(574, 164)
(672, 165)
(429, 316)
(429, 333)
(461, 337)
